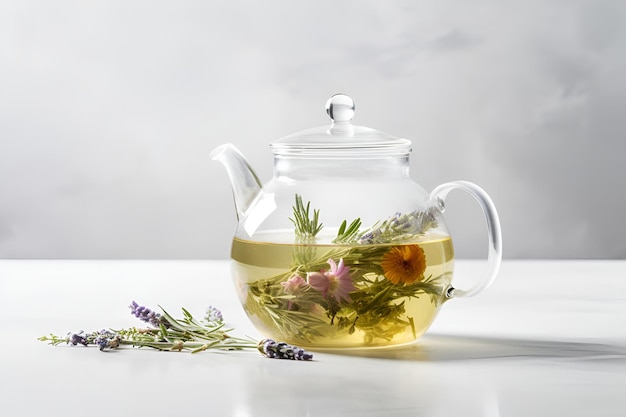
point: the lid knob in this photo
(340, 108)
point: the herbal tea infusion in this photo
(375, 287)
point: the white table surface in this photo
(547, 339)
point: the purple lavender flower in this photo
(367, 238)
(398, 225)
(281, 350)
(147, 315)
(77, 338)
(214, 315)
(107, 339)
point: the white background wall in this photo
(109, 110)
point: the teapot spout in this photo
(243, 179)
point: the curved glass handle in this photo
(494, 257)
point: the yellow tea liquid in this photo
(271, 279)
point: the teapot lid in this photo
(341, 138)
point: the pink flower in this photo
(294, 285)
(336, 282)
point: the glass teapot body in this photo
(341, 248)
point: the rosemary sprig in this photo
(345, 234)
(305, 227)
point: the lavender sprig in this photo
(103, 339)
(400, 227)
(281, 350)
(178, 334)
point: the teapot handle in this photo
(494, 257)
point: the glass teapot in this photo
(340, 248)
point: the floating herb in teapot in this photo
(306, 228)
(348, 234)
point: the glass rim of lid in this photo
(341, 138)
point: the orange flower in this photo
(404, 264)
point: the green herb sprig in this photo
(346, 234)
(306, 228)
